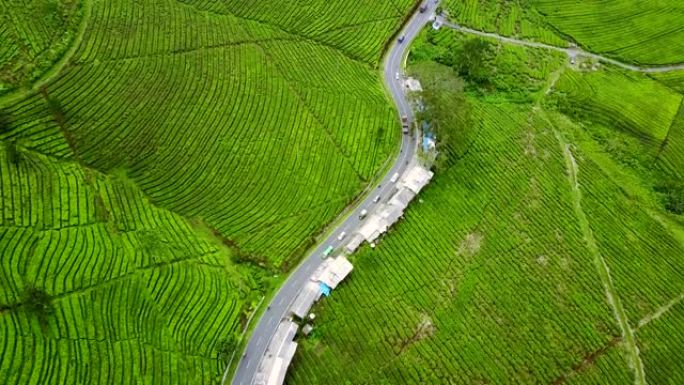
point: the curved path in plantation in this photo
(570, 51)
(56, 69)
(279, 306)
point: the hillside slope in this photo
(548, 248)
(159, 175)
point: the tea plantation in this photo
(646, 32)
(548, 249)
(163, 162)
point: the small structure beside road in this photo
(307, 297)
(355, 241)
(282, 347)
(278, 355)
(333, 271)
(413, 85)
(414, 179)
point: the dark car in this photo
(423, 7)
(405, 124)
(401, 39)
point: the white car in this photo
(395, 178)
(396, 76)
(341, 236)
(376, 199)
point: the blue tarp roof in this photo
(426, 143)
(325, 289)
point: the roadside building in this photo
(309, 294)
(391, 214)
(416, 178)
(278, 356)
(413, 85)
(354, 243)
(373, 228)
(333, 271)
(402, 198)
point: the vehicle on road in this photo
(341, 236)
(376, 199)
(401, 39)
(396, 76)
(405, 124)
(363, 213)
(328, 250)
(395, 177)
(423, 8)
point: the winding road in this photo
(280, 303)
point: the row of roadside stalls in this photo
(414, 179)
(282, 347)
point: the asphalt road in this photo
(265, 329)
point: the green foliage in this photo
(508, 18)
(492, 256)
(33, 36)
(672, 196)
(645, 32)
(672, 79)
(226, 347)
(445, 110)
(495, 256)
(38, 304)
(474, 61)
(496, 71)
(630, 102)
(260, 123)
(660, 343)
(99, 286)
(12, 153)
(4, 123)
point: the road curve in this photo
(280, 303)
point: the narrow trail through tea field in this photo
(626, 330)
(56, 69)
(573, 52)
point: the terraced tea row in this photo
(241, 123)
(33, 36)
(437, 301)
(648, 33)
(359, 29)
(157, 157)
(124, 281)
(493, 277)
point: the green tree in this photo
(38, 303)
(446, 110)
(673, 196)
(474, 61)
(4, 123)
(12, 153)
(226, 347)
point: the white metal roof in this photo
(306, 298)
(374, 226)
(336, 271)
(416, 178)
